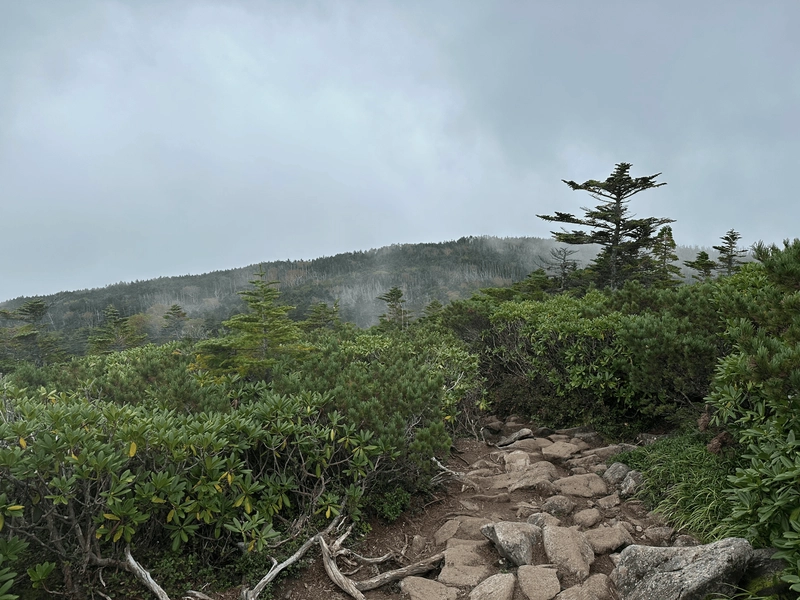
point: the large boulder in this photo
(517, 542)
(648, 573)
(570, 553)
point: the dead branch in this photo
(277, 568)
(332, 569)
(199, 595)
(143, 575)
(423, 566)
(457, 476)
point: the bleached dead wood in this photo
(422, 566)
(277, 568)
(332, 569)
(144, 576)
(457, 476)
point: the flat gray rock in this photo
(587, 518)
(605, 540)
(530, 445)
(543, 520)
(595, 588)
(538, 583)
(529, 478)
(648, 573)
(559, 450)
(558, 505)
(496, 587)
(419, 588)
(659, 536)
(607, 451)
(609, 501)
(446, 531)
(470, 528)
(517, 435)
(585, 486)
(463, 576)
(465, 556)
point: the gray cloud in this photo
(150, 138)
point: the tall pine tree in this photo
(625, 241)
(666, 274)
(730, 255)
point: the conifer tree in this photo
(625, 240)
(396, 314)
(703, 265)
(729, 260)
(665, 271)
(174, 319)
(115, 334)
(322, 316)
(256, 339)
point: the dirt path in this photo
(497, 471)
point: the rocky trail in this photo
(537, 515)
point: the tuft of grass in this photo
(686, 484)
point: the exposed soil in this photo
(426, 516)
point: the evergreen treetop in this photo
(625, 240)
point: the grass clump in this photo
(686, 484)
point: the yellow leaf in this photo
(170, 515)
(328, 513)
(23, 443)
(238, 502)
(251, 545)
(230, 478)
(118, 535)
(16, 507)
(132, 450)
(2, 521)
(98, 535)
(218, 487)
(157, 500)
(111, 517)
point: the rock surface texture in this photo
(645, 573)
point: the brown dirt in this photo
(426, 515)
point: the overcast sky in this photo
(143, 138)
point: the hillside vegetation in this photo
(200, 459)
(442, 271)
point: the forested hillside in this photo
(442, 271)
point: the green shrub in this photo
(756, 392)
(391, 504)
(383, 383)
